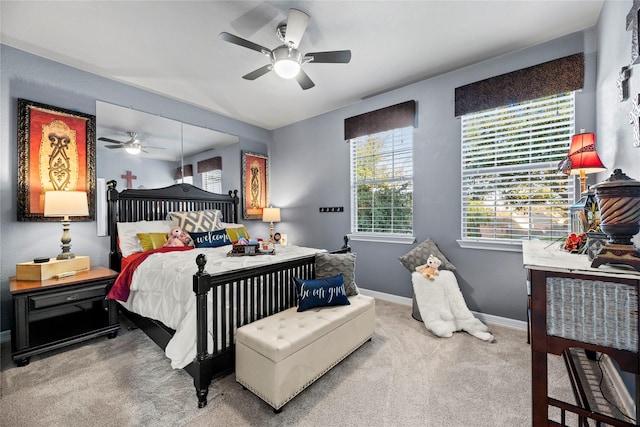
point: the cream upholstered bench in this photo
(279, 356)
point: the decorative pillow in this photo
(197, 221)
(236, 233)
(150, 241)
(320, 292)
(419, 255)
(127, 234)
(328, 265)
(211, 239)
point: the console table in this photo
(574, 305)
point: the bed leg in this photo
(202, 396)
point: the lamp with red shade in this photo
(582, 158)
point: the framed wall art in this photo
(56, 151)
(255, 175)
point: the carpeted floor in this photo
(404, 377)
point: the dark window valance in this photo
(557, 76)
(393, 117)
(188, 171)
(208, 165)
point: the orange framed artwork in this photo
(56, 151)
(255, 175)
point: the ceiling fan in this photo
(286, 59)
(132, 146)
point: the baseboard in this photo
(486, 318)
(609, 369)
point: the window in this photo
(184, 180)
(382, 182)
(511, 189)
(212, 181)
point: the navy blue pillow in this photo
(210, 239)
(321, 292)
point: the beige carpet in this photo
(404, 377)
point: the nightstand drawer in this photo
(37, 302)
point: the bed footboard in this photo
(250, 295)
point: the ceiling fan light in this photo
(133, 148)
(286, 62)
(286, 68)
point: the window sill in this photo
(382, 238)
(515, 246)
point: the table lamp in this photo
(65, 204)
(582, 158)
(271, 215)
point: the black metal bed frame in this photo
(252, 293)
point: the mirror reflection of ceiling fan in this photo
(286, 59)
(132, 146)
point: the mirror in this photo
(166, 144)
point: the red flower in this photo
(575, 242)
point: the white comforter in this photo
(162, 289)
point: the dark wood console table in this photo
(576, 306)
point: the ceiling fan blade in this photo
(296, 26)
(114, 146)
(304, 80)
(258, 73)
(102, 138)
(156, 148)
(332, 57)
(244, 43)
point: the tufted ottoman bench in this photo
(279, 356)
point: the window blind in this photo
(212, 181)
(511, 188)
(382, 182)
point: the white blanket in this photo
(162, 289)
(442, 306)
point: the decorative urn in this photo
(618, 200)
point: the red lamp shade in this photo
(582, 158)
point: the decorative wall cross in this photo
(634, 120)
(623, 83)
(632, 24)
(129, 177)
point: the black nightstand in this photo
(54, 313)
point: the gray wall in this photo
(149, 173)
(309, 165)
(614, 133)
(23, 75)
(310, 168)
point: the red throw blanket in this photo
(122, 287)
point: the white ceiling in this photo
(172, 47)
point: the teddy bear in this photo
(177, 237)
(430, 269)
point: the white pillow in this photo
(129, 242)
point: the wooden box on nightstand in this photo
(46, 270)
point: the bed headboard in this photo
(131, 205)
